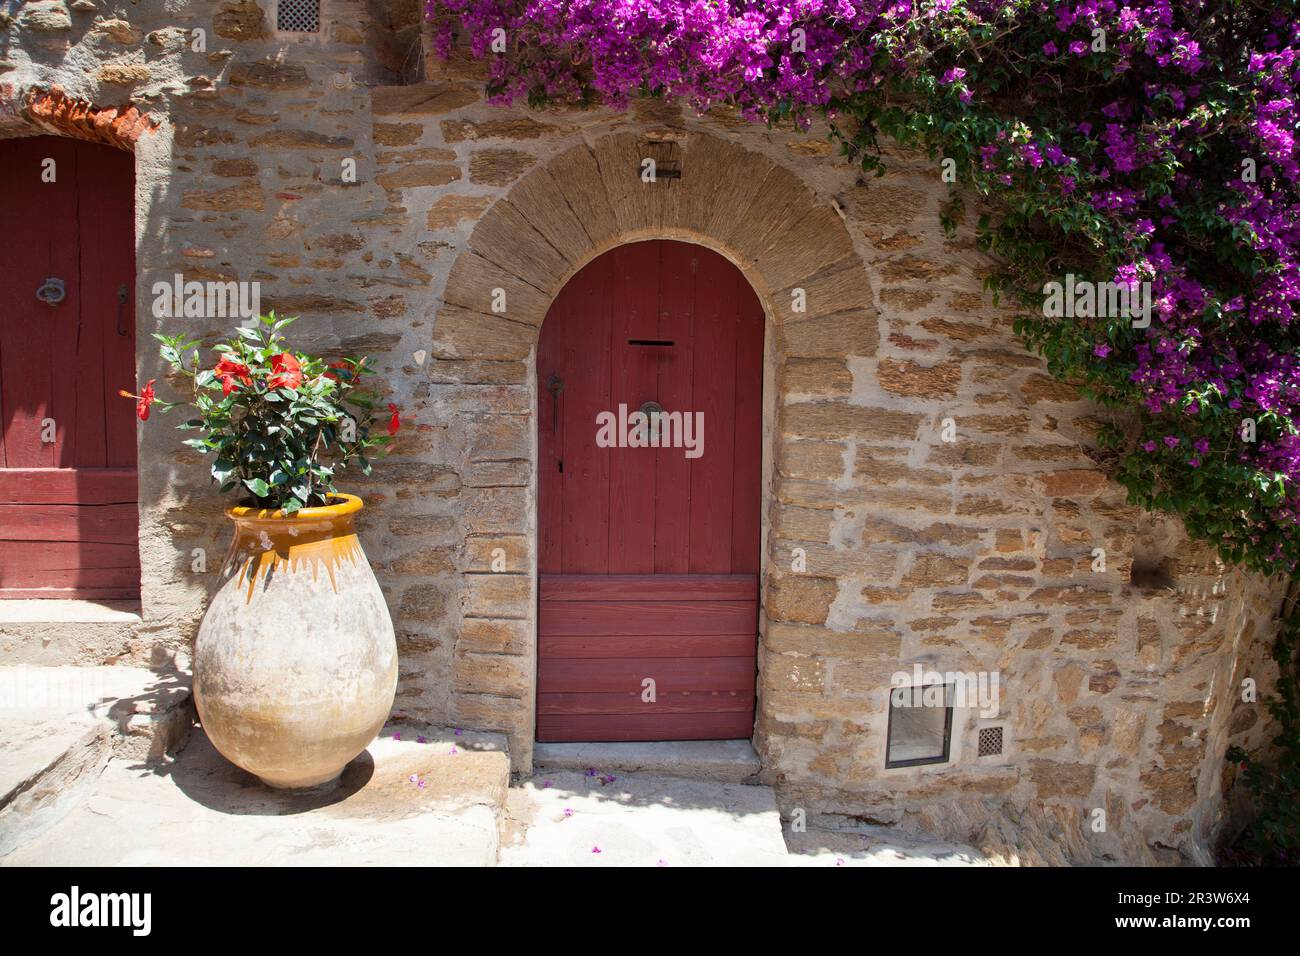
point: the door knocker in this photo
(51, 291)
(652, 412)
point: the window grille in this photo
(298, 16)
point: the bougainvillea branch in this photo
(1146, 144)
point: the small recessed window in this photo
(920, 725)
(298, 16)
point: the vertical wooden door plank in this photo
(586, 466)
(106, 359)
(550, 431)
(679, 262)
(747, 469)
(634, 295)
(38, 241)
(715, 390)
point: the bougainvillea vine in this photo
(1150, 142)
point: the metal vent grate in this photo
(990, 741)
(298, 16)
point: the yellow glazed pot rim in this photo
(347, 505)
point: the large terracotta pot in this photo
(295, 665)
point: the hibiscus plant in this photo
(279, 424)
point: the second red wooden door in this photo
(648, 528)
(68, 516)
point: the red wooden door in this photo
(649, 556)
(68, 515)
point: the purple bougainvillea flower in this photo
(397, 736)
(568, 812)
(546, 785)
(453, 750)
(1149, 156)
(595, 849)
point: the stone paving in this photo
(103, 767)
(402, 803)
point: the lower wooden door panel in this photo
(646, 657)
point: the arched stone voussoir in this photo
(462, 334)
(806, 246)
(839, 287)
(505, 237)
(723, 180)
(577, 175)
(540, 200)
(619, 157)
(479, 285)
(780, 199)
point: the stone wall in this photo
(970, 554)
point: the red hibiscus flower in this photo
(143, 400)
(230, 372)
(288, 371)
(395, 422)
(335, 367)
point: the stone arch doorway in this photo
(792, 248)
(649, 430)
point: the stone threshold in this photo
(727, 761)
(59, 611)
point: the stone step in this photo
(868, 845)
(60, 726)
(567, 818)
(416, 797)
(53, 633)
(727, 761)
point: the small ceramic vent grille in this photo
(298, 16)
(990, 741)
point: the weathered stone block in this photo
(833, 336)
(459, 333)
(495, 636)
(919, 381)
(419, 174)
(811, 459)
(837, 420)
(820, 377)
(420, 100)
(499, 167)
(801, 599)
(1059, 780)
(450, 211)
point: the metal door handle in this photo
(556, 386)
(121, 301)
